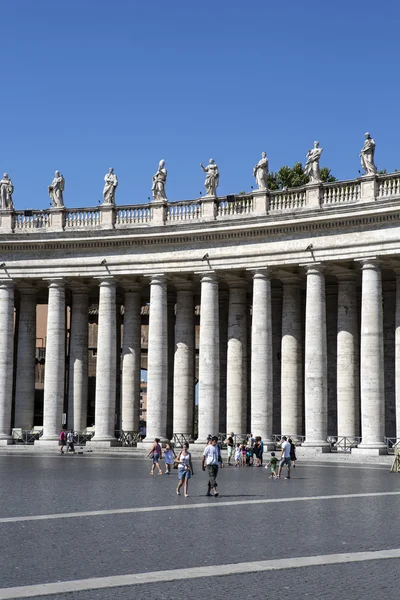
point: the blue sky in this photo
(90, 84)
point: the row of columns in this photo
(356, 380)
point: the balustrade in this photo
(389, 185)
(342, 191)
(31, 219)
(184, 211)
(287, 200)
(133, 215)
(235, 205)
(82, 217)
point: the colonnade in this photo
(248, 367)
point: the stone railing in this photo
(260, 203)
(28, 220)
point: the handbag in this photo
(176, 461)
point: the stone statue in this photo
(367, 155)
(311, 168)
(56, 189)
(159, 181)
(110, 185)
(260, 172)
(212, 179)
(6, 190)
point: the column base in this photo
(312, 449)
(6, 441)
(102, 443)
(369, 450)
(269, 445)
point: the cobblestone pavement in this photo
(44, 551)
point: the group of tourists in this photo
(244, 454)
(66, 440)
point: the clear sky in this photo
(93, 84)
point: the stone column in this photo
(131, 359)
(397, 355)
(106, 364)
(315, 375)
(223, 301)
(236, 379)
(25, 379)
(78, 361)
(6, 358)
(170, 361)
(209, 358)
(291, 359)
(54, 375)
(348, 364)
(261, 358)
(184, 360)
(157, 362)
(371, 358)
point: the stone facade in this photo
(298, 294)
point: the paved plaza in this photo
(77, 527)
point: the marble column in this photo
(348, 364)
(315, 373)
(157, 362)
(6, 358)
(261, 358)
(397, 355)
(371, 358)
(106, 364)
(184, 360)
(78, 361)
(171, 358)
(25, 379)
(131, 359)
(236, 386)
(223, 301)
(291, 359)
(209, 358)
(54, 375)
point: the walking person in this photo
(212, 460)
(230, 445)
(70, 441)
(257, 452)
(285, 457)
(169, 456)
(272, 465)
(293, 456)
(185, 469)
(156, 454)
(61, 441)
(238, 455)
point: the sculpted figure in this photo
(212, 179)
(260, 172)
(311, 168)
(367, 155)
(56, 189)
(110, 185)
(159, 181)
(6, 190)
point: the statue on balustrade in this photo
(56, 189)
(367, 155)
(6, 190)
(212, 179)
(159, 181)
(260, 172)
(110, 185)
(311, 168)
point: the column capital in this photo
(291, 280)
(27, 289)
(235, 282)
(262, 272)
(7, 283)
(210, 276)
(55, 282)
(182, 284)
(314, 268)
(133, 287)
(158, 279)
(345, 275)
(371, 262)
(106, 281)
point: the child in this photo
(273, 461)
(237, 455)
(169, 456)
(243, 452)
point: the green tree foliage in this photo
(290, 177)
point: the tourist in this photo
(61, 441)
(250, 448)
(285, 457)
(169, 456)
(230, 445)
(261, 450)
(185, 469)
(156, 454)
(238, 455)
(257, 452)
(243, 450)
(273, 461)
(293, 456)
(70, 441)
(212, 459)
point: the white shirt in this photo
(286, 449)
(211, 453)
(70, 437)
